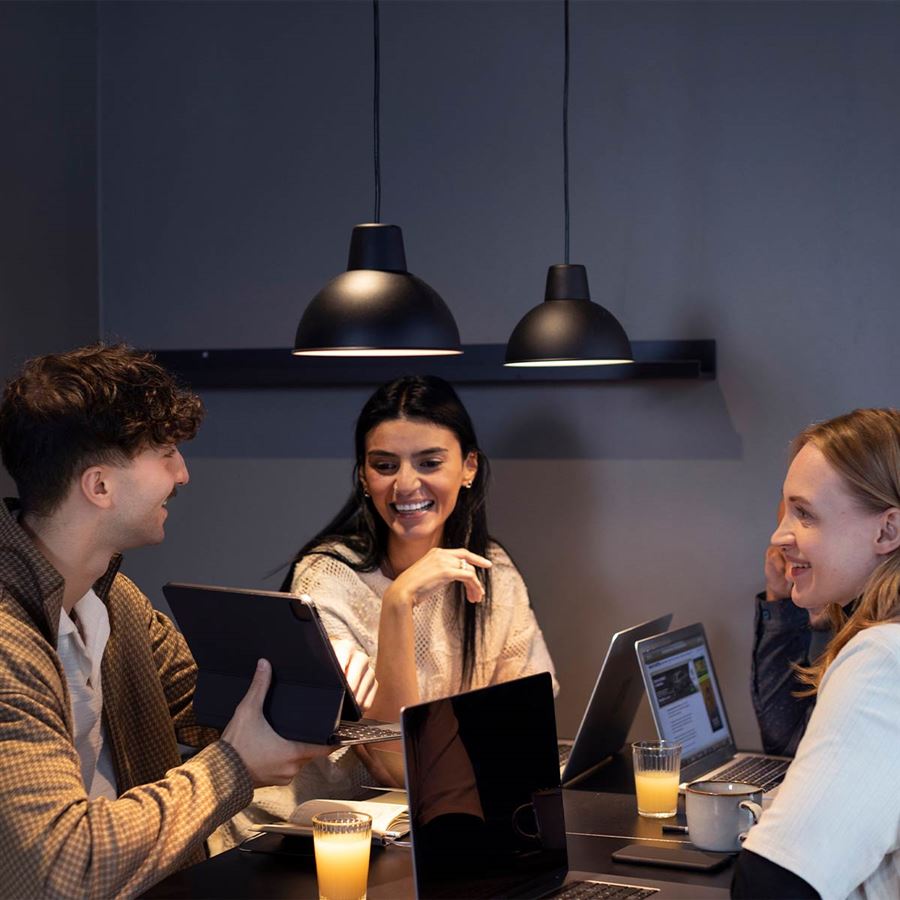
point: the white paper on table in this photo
(389, 812)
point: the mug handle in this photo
(755, 811)
(519, 826)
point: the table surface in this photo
(601, 817)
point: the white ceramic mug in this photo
(720, 813)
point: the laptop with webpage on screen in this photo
(610, 711)
(688, 707)
(486, 806)
(229, 629)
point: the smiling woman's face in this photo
(414, 471)
(830, 543)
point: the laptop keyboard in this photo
(601, 890)
(354, 731)
(565, 751)
(761, 770)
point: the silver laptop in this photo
(229, 629)
(486, 807)
(610, 711)
(688, 707)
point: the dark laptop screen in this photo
(484, 797)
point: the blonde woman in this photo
(833, 831)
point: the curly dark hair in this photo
(94, 405)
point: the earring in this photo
(467, 485)
(365, 490)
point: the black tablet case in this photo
(228, 630)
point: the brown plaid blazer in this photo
(54, 842)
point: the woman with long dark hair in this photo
(408, 567)
(407, 573)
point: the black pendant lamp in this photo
(567, 329)
(376, 307)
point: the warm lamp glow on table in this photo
(342, 843)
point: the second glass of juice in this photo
(341, 841)
(657, 765)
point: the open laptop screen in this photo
(484, 797)
(683, 691)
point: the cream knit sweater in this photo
(350, 605)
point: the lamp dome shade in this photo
(567, 329)
(377, 308)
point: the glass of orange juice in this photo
(657, 765)
(342, 841)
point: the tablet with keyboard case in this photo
(229, 629)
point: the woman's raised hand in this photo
(438, 567)
(396, 670)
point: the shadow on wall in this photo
(648, 420)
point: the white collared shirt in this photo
(81, 653)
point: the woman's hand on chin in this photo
(439, 567)
(396, 668)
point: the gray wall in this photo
(48, 181)
(733, 176)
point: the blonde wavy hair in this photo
(863, 447)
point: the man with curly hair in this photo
(95, 684)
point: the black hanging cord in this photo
(566, 129)
(376, 112)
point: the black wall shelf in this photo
(479, 364)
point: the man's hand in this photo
(269, 758)
(358, 671)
